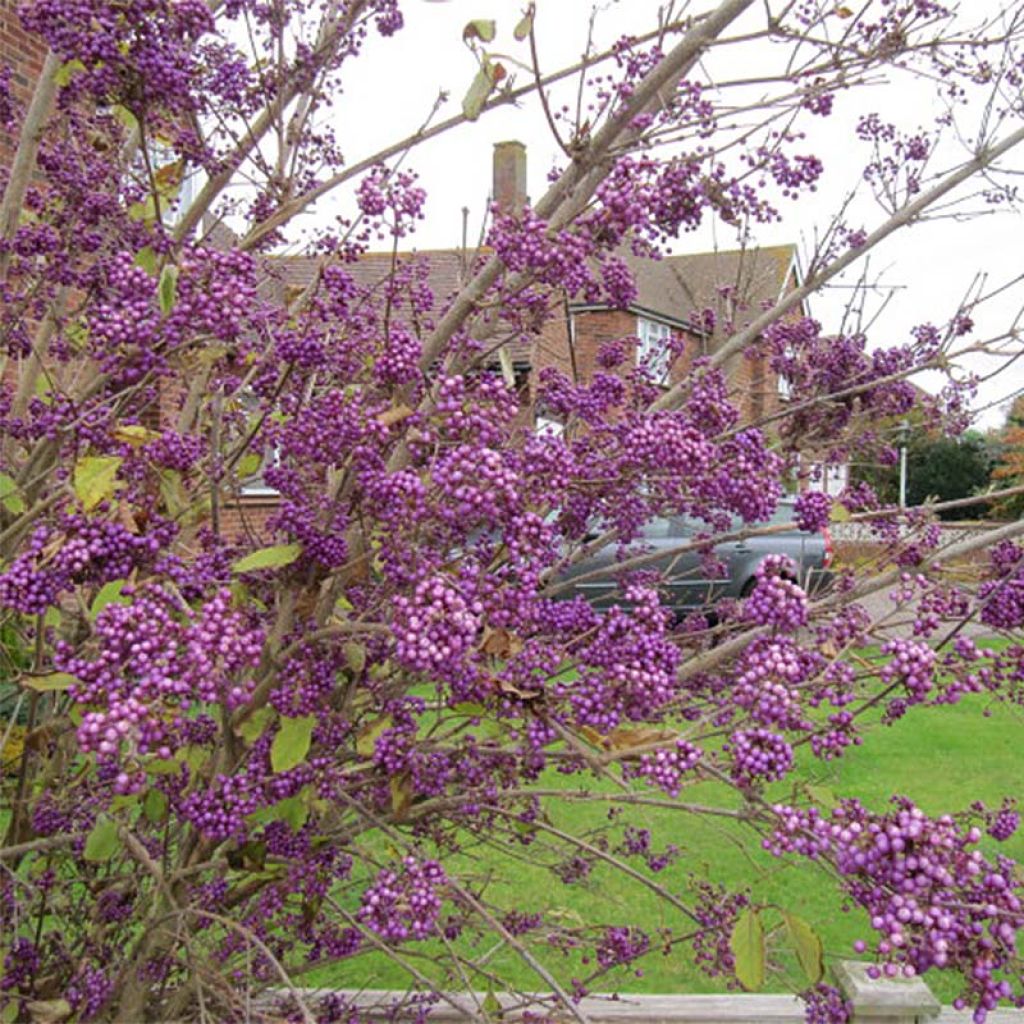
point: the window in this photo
(654, 353)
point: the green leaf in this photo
(146, 258)
(805, 941)
(67, 71)
(95, 479)
(822, 796)
(154, 807)
(168, 288)
(747, 945)
(355, 656)
(53, 683)
(125, 116)
(274, 557)
(9, 497)
(292, 810)
(102, 842)
(256, 724)
(172, 492)
(483, 29)
(491, 1005)
(109, 593)
(291, 744)
(525, 26)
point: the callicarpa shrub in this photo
(242, 755)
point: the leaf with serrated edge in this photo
(291, 744)
(275, 557)
(9, 497)
(807, 945)
(747, 945)
(53, 683)
(102, 842)
(95, 479)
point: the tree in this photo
(942, 469)
(1010, 466)
(243, 760)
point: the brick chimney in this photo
(509, 188)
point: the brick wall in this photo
(22, 53)
(752, 387)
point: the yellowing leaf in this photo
(480, 90)
(747, 945)
(9, 496)
(256, 724)
(95, 479)
(53, 683)
(135, 434)
(355, 656)
(483, 29)
(169, 177)
(839, 513)
(249, 465)
(366, 741)
(274, 557)
(291, 744)
(401, 794)
(67, 71)
(102, 842)
(807, 945)
(525, 25)
(394, 415)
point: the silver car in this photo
(687, 585)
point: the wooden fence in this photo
(897, 1001)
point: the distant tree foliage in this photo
(938, 469)
(1009, 468)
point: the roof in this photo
(737, 284)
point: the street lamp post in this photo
(904, 433)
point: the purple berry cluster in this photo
(777, 599)
(403, 905)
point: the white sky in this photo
(391, 89)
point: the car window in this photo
(655, 529)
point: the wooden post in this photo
(885, 1000)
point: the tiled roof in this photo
(741, 281)
(736, 284)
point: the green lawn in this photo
(942, 758)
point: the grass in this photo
(941, 758)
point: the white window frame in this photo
(653, 351)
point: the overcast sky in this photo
(928, 269)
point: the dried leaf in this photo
(394, 415)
